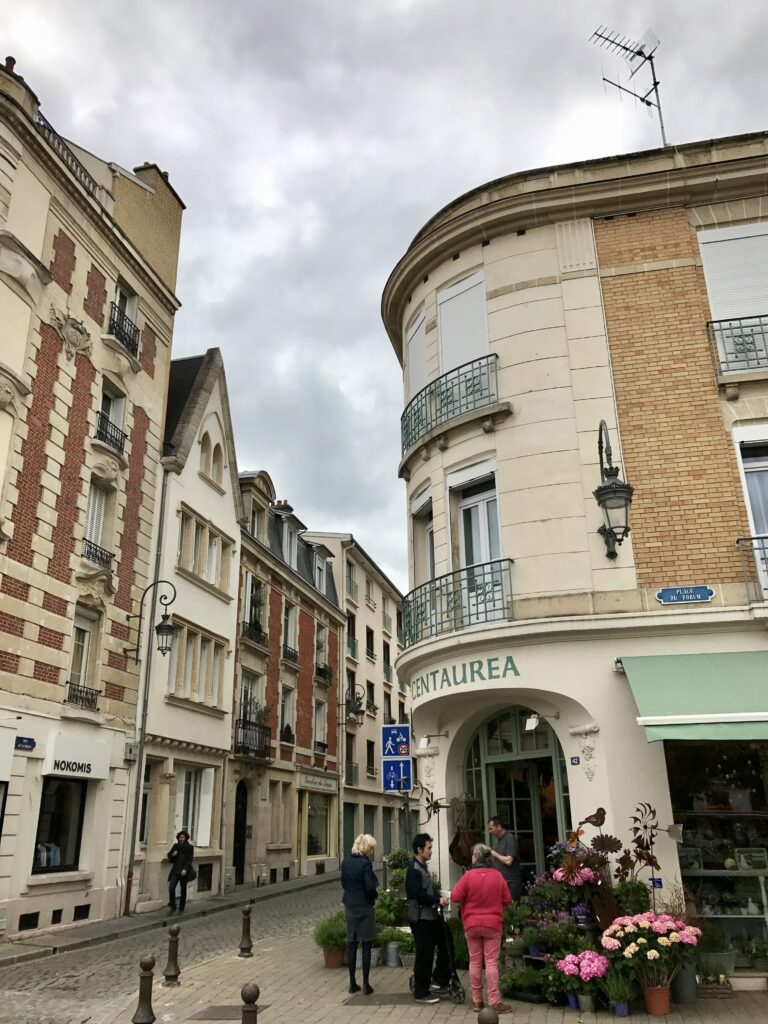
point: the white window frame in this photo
(290, 544)
(95, 515)
(288, 708)
(88, 623)
(320, 567)
(320, 721)
(290, 621)
(747, 434)
(482, 501)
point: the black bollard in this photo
(246, 946)
(249, 994)
(488, 1016)
(144, 1013)
(172, 972)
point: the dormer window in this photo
(320, 567)
(290, 544)
(257, 520)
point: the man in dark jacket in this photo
(425, 924)
(180, 855)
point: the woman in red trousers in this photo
(483, 894)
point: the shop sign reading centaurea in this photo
(465, 673)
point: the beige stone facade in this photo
(524, 314)
(85, 333)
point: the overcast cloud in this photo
(310, 139)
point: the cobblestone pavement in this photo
(98, 985)
(85, 984)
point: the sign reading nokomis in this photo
(465, 673)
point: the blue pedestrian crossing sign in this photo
(395, 741)
(397, 775)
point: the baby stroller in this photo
(455, 990)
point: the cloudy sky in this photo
(310, 139)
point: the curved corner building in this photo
(631, 290)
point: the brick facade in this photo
(688, 507)
(62, 265)
(96, 299)
(14, 588)
(148, 351)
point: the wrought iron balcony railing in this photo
(465, 389)
(323, 672)
(59, 146)
(386, 623)
(253, 631)
(290, 653)
(754, 560)
(350, 773)
(370, 602)
(389, 720)
(740, 344)
(321, 747)
(352, 647)
(82, 696)
(469, 597)
(371, 771)
(351, 589)
(93, 553)
(124, 329)
(252, 739)
(110, 434)
(370, 653)
(387, 672)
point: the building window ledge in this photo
(61, 878)
(488, 415)
(116, 346)
(211, 482)
(106, 449)
(78, 714)
(275, 847)
(210, 587)
(193, 705)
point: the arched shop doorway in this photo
(521, 777)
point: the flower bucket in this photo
(586, 1003)
(333, 957)
(573, 1001)
(656, 1000)
(534, 951)
(392, 954)
(408, 960)
(621, 1009)
(684, 985)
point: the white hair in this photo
(481, 853)
(364, 844)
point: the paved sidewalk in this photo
(80, 936)
(295, 987)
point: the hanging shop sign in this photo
(76, 758)
(464, 673)
(685, 595)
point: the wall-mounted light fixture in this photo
(533, 721)
(424, 741)
(614, 496)
(354, 705)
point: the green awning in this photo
(701, 696)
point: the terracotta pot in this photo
(656, 1000)
(333, 957)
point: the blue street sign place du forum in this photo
(396, 775)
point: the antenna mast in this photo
(637, 55)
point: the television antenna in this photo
(637, 54)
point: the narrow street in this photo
(86, 984)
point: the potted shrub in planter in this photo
(407, 949)
(525, 986)
(619, 987)
(632, 896)
(583, 971)
(331, 936)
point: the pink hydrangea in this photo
(610, 943)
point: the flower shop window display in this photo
(582, 971)
(655, 947)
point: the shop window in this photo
(60, 825)
(317, 825)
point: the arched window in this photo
(217, 464)
(205, 455)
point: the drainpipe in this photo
(166, 465)
(222, 869)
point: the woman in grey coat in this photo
(360, 884)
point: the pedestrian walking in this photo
(360, 887)
(506, 857)
(182, 871)
(482, 894)
(426, 926)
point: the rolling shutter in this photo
(463, 322)
(736, 270)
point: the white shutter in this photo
(178, 815)
(462, 322)
(205, 812)
(736, 270)
(94, 520)
(417, 358)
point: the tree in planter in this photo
(398, 859)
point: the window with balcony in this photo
(369, 592)
(735, 263)
(82, 669)
(754, 461)
(287, 710)
(370, 698)
(370, 758)
(416, 355)
(94, 544)
(290, 623)
(370, 648)
(109, 419)
(388, 719)
(251, 694)
(122, 317)
(350, 581)
(255, 609)
(462, 322)
(351, 637)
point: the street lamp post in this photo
(614, 496)
(164, 631)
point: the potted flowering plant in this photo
(656, 946)
(582, 970)
(619, 986)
